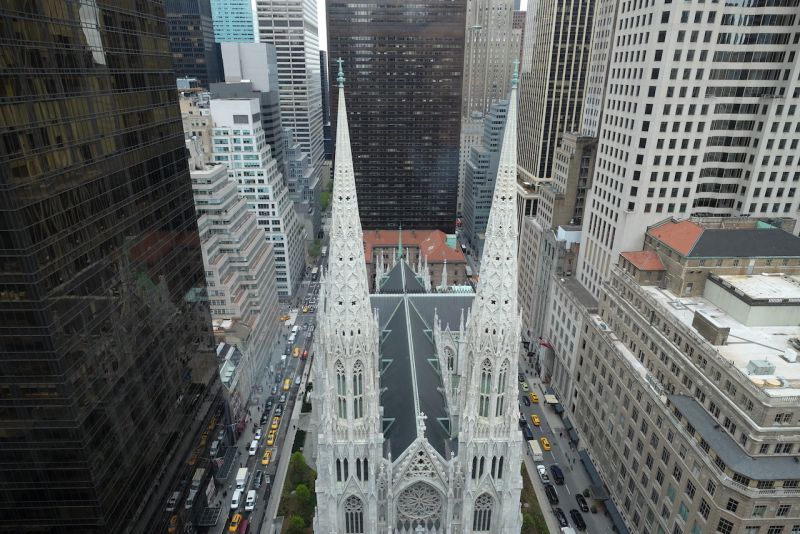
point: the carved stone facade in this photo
(414, 390)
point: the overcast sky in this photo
(323, 29)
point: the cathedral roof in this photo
(411, 380)
(402, 279)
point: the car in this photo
(305, 309)
(276, 421)
(305, 326)
(287, 384)
(297, 380)
(545, 443)
(258, 479)
(522, 422)
(534, 397)
(172, 502)
(558, 474)
(235, 520)
(274, 390)
(552, 496)
(253, 447)
(535, 420)
(236, 500)
(283, 318)
(279, 410)
(521, 377)
(264, 417)
(258, 435)
(271, 438)
(305, 354)
(524, 386)
(582, 504)
(296, 352)
(250, 501)
(267, 458)
(577, 519)
(562, 519)
(172, 526)
(526, 431)
(526, 400)
(543, 473)
(311, 309)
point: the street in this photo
(561, 454)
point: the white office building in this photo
(697, 117)
(239, 143)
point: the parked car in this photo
(558, 474)
(526, 431)
(552, 496)
(526, 400)
(562, 519)
(524, 386)
(521, 377)
(543, 473)
(577, 518)
(582, 503)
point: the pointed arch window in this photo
(353, 515)
(482, 514)
(486, 388)
(341, 390)
(358, 390)
(500, 407)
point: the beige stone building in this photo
(686, 380)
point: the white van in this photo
(214, 448)
(237, 496)
(250, 503)
(253, 447)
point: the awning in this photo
(573, 436)
(558, 408)
(616, 518)
(597, 488)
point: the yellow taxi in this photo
(535, 419)
(534, 397)
(287, 384)
(305, 309)
(172, 527)
(275, 422)
(271, 438)
(296, 352)
(267, 457)
(234, 526)
(283, 318)
(545, 444)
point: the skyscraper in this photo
(551, 92)
(406, 62)
(326, 105)
(233, 21)
(105, 329)
(490, 47)
(195, 54)
(697, 119)
(291, 25)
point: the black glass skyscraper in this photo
(195, 54)
(105, 341)
(403, 63)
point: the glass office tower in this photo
(105, 338)
(403, 62)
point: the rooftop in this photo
(745, 343)
(644, 260)
(434, 244)
(762, 287)
(692, 239)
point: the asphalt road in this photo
(560, 453)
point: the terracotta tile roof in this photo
(678, 235)
(432, 243)
(644, 260)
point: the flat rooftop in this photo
(760, 287)
(745, 343)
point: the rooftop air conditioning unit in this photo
(790, 355)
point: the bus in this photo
(314, 273)
(324, 251)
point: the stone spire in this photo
(400, 243)
(495, 304)
(443, 283)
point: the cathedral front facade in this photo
(415, 391)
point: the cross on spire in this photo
(421, 417)
(340, 77)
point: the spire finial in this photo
(340, 77)
(515, 76)
(400, 242)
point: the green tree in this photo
(298, 470)
(305, 504)
(297, 525)
(314, 248)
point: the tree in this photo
(305, 504)
(297, 525)
(298, 470)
